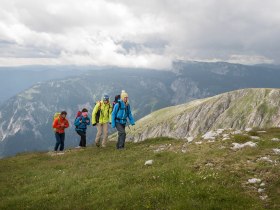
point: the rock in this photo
(248, 129)
(220, 131)
(247, 144)
(198, 142)
(254, 180)
(209, 164)
(236, 132)
(276, 151)
(210, 135)
(184, 150)
(261, 131)
(265, 159)
(226, 138)
(190, 139)
(260, 190)
(263, 197)
(275, 139)
(255, 137)
(211, 141)
(262, 184)
(149, 163)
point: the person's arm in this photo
(66, 125)
(87, 121)
(130, 117)
(110, 113)
(93, 120)
(77, 121)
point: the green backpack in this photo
(56, 116)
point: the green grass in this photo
(96, 178)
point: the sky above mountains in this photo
(148, 33)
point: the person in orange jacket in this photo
(60, 124)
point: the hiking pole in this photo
(128, 126)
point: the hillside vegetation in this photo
(200, 174)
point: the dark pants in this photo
(121, 135)
(60, 137)
(83, 140)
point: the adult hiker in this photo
(121, 112)
(81, 123)
(60, 124)
(101, 116)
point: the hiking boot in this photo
(97, 144)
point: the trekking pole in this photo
(128, 126)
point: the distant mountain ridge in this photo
(239, 109)
(25, 119)
(14, 80)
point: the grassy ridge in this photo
(207, 176)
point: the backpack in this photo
(55, 116)
(79, 114)
(117, 97)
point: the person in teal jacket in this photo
(81, 123)
(120, 114)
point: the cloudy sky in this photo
(134, 33)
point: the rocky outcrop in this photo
(237, 110)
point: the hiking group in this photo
(104, 113)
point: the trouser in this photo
(83, 140)
(121, 135)
(60, 137)
(101, 127)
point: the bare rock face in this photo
(238, 110)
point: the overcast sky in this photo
(138, 33)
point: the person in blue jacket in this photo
(120, 114)
(81, 123)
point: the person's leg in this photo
(83, 137)
(98, 134)
(121, 135)
(78, 132)
(57, 138)
(105, 134)
(62, 138)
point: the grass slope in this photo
(206, 176)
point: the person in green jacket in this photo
(101, 117)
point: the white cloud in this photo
(138, 33)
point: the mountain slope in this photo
(237, 109)
(183, 176)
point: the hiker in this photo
(81, 122)
(101, 116)
(60, 124)
(121, 112)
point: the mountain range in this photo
(14, 80)
(26, 118)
